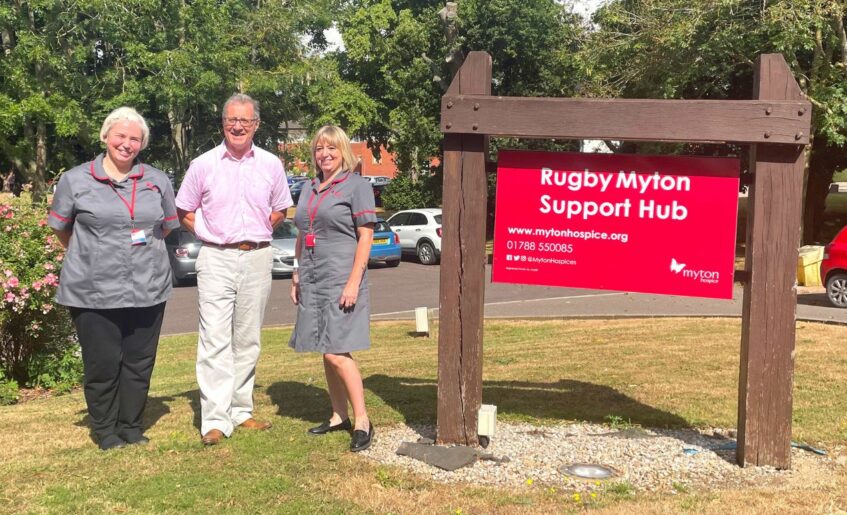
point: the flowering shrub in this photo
(33, 330)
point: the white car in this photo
(419, 231)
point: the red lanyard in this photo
(130, 206)
(313, 212)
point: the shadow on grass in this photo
(299, 400)
(155, 409)
(565, 399)
(193, 397)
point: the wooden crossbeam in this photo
(707, 121)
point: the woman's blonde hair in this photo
(336, 137)
(125, 114)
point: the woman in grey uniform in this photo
(112, 215)
(335, 218)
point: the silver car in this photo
(183, 248)
(284, 238)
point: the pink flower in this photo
(42, 222)
(10, 297)
(9, 214)
(51, 279)
(8, 273)
(48, 266)
(13, 282)
(36, 285)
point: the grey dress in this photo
(336, 213)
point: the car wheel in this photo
(426, 253)
(393, 264)
(836, 290)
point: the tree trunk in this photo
(39, 180)
(179, 141)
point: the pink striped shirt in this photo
(233, 198)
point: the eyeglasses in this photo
(245, 122)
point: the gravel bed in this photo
(645, 459)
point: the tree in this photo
(67, 63)
(44, 85)
(681, 49)
(403, 54)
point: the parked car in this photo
(420, 233)
(834, 269)
(284, 238)
(183, 248)
(296, 188)
(377, 180)
(296, 178)
(386, 245)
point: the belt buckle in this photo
(247, 245)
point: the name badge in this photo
(138, 237)
(310, 240)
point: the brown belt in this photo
(240, 245)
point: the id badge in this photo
(310, 240)
(138, 237)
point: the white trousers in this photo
(233, 287)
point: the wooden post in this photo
(773, 235)
(461, 298)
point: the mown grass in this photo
(661, 373)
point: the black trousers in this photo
(118, 354)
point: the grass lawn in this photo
(677, 373)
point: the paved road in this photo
(396, 292)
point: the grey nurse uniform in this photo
(333, 216)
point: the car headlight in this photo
(281, 253)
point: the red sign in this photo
(650, 224)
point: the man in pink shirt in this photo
(231, 199)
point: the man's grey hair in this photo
(125, 114)
(241, 98)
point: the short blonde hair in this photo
(335, 136)
(125, 114)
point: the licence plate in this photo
(380, 241)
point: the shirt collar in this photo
(343, 176)
(99, 173)
(225, 153)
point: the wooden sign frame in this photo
(775, 124)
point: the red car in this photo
(834, 269)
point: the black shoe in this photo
(134, 437)
(112, 442)
(326, 428)
(361, 440)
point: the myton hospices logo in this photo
(704, 276)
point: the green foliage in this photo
(32, 328)
(67, 63)
(403, 193)
(682, 49)
(8, 391)
(403, 54)
(59, 371)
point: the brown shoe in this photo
(252, 423)
(213, 437)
